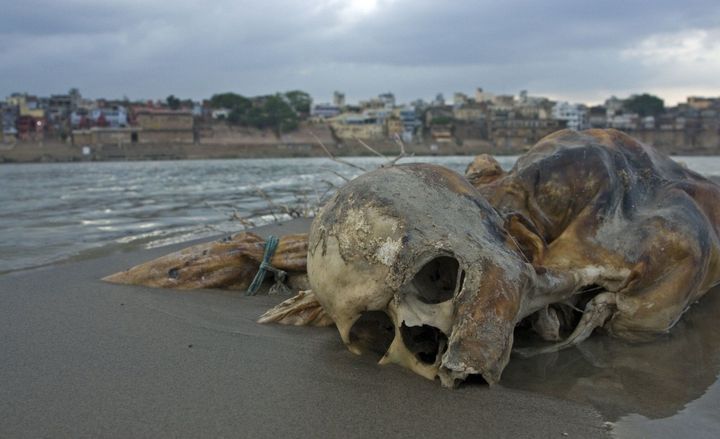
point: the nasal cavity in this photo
(373, 333)
(425, 342)
(437, 281)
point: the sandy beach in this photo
(83, 358)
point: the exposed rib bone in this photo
(597, 311)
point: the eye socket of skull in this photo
(373, 332)
(437, 280)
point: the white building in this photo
(114, 117)
(483, 96)
(220, 113)
(626, 121)
(575, 115)
(459, 99)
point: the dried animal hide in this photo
(228, 264)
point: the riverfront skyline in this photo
(566, 50)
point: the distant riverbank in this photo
(59, 152)
(52, 152)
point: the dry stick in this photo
(371, 149)
(305, 210)
(245, 222)
(333, 158)
(234, 216)
(336, 173)
(270, 202)
(402, 154)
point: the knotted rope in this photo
(270, 246)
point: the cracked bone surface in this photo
(397, 253)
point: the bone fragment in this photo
(301, 310)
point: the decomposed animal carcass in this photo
(413, 263)
(589, 230)
(435, 272)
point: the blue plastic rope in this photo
(270, 247)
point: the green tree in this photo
(172, 102)
(271, 112)
(645, 105)
(281, 115)
(300, 101)
(231, 101)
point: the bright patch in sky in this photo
(693, 46)
(353, 11)
(362, 6)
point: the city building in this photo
(112, 116)
(165, 126)
(574, 115)
(388, 99)
(338, 99)
(614, 106)
(115, 116)
(470, 112)
(27, 105)
(483, 96)
(349, 126)
(623, 121)
(439, 100)
(503, 102)
(597, 116)
(220, 113)
(460, 99)
(325, 111)
(702, 103)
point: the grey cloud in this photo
(192, 48)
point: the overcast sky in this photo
(567, 49)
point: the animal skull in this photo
(412, 263)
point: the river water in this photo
(52, 212)
(55, 212)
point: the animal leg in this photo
(301, 310)
(597, 311)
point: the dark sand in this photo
(83, 358)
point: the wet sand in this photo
(668, 387)
(83, 358)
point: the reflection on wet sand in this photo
(655, 379)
